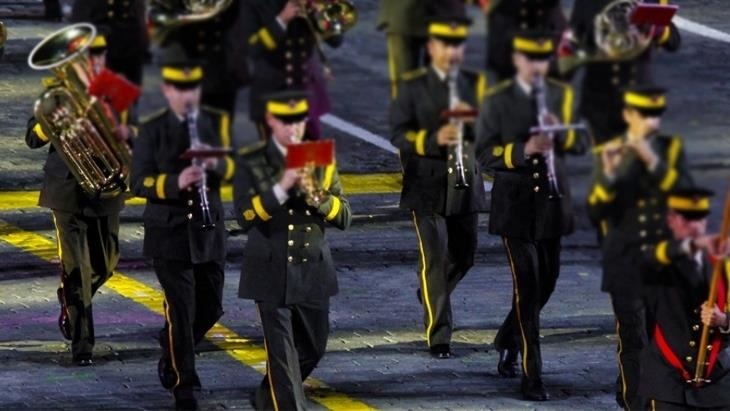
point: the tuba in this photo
(616, 38)
(330, 17)
(77, 124)
(166, 16)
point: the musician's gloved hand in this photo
(290, 178)
(712, 315)
(538, 144)
(448, 135)
(189, 177)
(291, 10)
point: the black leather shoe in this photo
(441, 351)
(188, 403)
(418, 296)
(197, 386)
(166, 373)
(63, 322)
(507, 364)
(84, 362)
(534, 390)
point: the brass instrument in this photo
(330, 17)
(717, 271)
(616, 38)
(310, 186)
(461, 182)
(195, 143)
(75, 122)
(166, 16)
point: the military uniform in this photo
(603, 82)
(629, 210)
(680, 283)
(283, 58)
(188, 259)
(127, 32)
(506, 17)
(445, 218)
(530, 219)
(217, 44)
(88, 243)
(287, 269)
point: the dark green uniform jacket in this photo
(156, 165)
(287, 257)
(429, 170)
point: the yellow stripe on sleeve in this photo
(258, 207)
(160, 186)
(336, 204)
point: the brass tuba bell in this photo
(76, 123)
(166, 16)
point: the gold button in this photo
(111, 2)
(110, 14)
(654, 201)
(309, 229)
(304, 260)
(644, 247)
(523, 26)
(190, 202)
(290, 242)
(466, 156)
(695, 327)
(642, 233)
(307, 212)
(535, 161)
(291, 212)
(288, 55)
(291, 227)
(537, 189)
(642, 218)
(659, 232)
(451, 157)
(451, 170)
(642, 203)
(692, 343)
(290, 259)
(536, 175)
(709, 348)
(306, 244)
(615, 81)
(616, 67)
(190, 216)
(689, 358)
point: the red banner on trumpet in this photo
(312, 153)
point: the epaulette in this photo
(251, 148)
(213, 110)
(414, 74)
(154, 116)
(499, 87)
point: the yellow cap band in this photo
(642, 101)
(98, 42)
(447, 30)
(182, 76)
(287, 109)
(688, 204)
(532, 46)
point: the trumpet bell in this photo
(333, 17)
(62, 46)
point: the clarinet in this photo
(542, 116)
(203, 185)
(461, 182)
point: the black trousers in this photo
(656, 405)
(193, 304)
(89, 251)
(535, 267)
(447, 246)
(295, 337)
(631, 329)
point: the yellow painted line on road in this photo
(353, 184)
(246, 352)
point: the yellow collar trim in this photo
(447, 30)
(182, 76)
(688, 204)
(642, 101)
(532, 46)
(287, 109)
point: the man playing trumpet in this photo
(445, 216)
(531, 204)
(679, 270)
(627, 201)
(287, 267)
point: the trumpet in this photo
(204, 205)
(461, 182)
(310, 186)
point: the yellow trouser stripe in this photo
(424, 283)
(624, 388)
(160, 186)
(268, 366)
(517, 306)
(170, 340)
(236, 346)
(259, 208)
(336, 203)
(508, 155)
(225, 130)
(568, 117)
(392, 69)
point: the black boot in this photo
(507, 363)
(534, 390)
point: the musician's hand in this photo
(290, 178)
(643, 151)
(611, 155)
(538, 144)
(190, 176)
(712, 315)
(122, 132)
(448, 135)
(551, 119)
(291, 10)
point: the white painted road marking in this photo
(701, 29)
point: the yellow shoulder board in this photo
(414, 74)
(154, 116)
(501, 86)
(251, 148)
